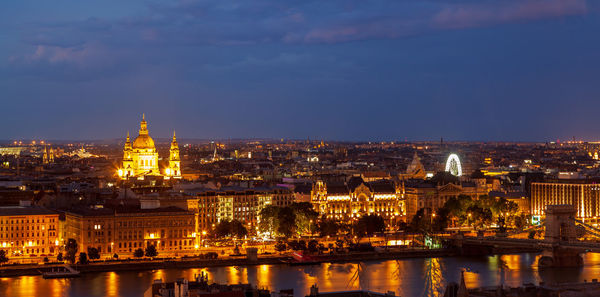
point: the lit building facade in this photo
(356, 198)
(29, 231)
(584, 195)
(121, 231)
(140, 158)
(242, 204)
(433, 193)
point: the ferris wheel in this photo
(453, 165)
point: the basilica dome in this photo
(143, 142)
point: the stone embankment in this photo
(141, 265)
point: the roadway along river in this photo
(406, 277)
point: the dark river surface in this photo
(406, 277)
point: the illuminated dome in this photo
(140, 158)
(143, 142)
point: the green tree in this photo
(151, 251)
(138, 253)
(313, 246)
(268, 219)
(297, 245)
(93, 253)
(71, 247)
(83, 258)
(420, 222)
(3, 257)
(479, 217)
(237, 229)
(520, 221)
(440, 220)
(368, 225)
(230, 228)
(286, 222)
(280, 246)
(305, 217)
(115, 256)
(328, 227)
(222, 229)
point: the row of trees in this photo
(465, 211)
(295, 219)
(71, 249)
(232, 228)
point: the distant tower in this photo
(45, 155)
(127, 158)
(51, 155)
(174, 169)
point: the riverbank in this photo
(140, 265)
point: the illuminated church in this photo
(140, 158)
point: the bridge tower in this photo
(560, 229)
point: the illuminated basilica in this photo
(140, 158)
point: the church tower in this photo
(174, 169)
(127, 158)
(45, 156)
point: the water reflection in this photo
(406, 277)
(434, 281)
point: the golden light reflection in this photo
(237, 275)
(325, 279)
(511, 262)
(356, 281)
(399, 267)
(112, 284)
(434, 280)
(29, 286)
(194, 272)
(58, 287)
(159, 274)
(472, 279)
(592, 258)
(264, 276)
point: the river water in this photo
(406, 277)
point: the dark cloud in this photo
(353, 69)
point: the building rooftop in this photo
(24, 211)
(124, 210)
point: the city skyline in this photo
(354, 71)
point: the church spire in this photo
(174, 145)
(143, 125)
(174, 168)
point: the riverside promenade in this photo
(191, 262)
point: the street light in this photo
(469, 219)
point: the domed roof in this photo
(143, 141)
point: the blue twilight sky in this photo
(334, 69)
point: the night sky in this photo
(523, 70)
